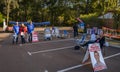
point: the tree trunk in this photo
(8, 10)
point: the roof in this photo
(108, 15)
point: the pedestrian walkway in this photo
(4, 35)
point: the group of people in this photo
(96, 38)
(23, 31)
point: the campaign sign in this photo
(89, 31)
(99, 31)
(82, 25)
(97, 60)
(35, 37)
(95, 29)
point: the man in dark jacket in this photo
(75, 28)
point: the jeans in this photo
(22, 39)
(30, 37)
(15, 39)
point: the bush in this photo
(1, 20)
(92, 20)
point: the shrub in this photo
(1, 20)
(91, 19)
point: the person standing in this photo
(53, 30)
(101, 39)
(30, 28)
(22, 33)
(93, 36)
(16, 32)
(75, 29)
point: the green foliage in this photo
(58, 12)
(91, 19)
(116, 20)
(1, 19)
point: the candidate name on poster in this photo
(98, 62)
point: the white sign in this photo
(4, 25)
(98, 62)
(89, 31)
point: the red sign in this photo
(94, 47)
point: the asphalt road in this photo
(57, 55)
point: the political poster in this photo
(89, 31)
(95, 29)
(97, 60)
(82, 24)
(99, 31)
(35, 37)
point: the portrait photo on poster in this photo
(97, 61)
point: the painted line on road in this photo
(49, 50)
(81, 65)
(48, 41)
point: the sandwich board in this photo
(35, 37)
(95, 55)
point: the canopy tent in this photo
(35, 23)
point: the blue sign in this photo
(35, 23)
(82, 25)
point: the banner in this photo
(95, 30)
(89, 31)
(98, 62)
(82, 25)
(111, 33)
(99, 31)
(35, 37)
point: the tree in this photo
(51, 10)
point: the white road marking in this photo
(49, 41)
(81, 65)
(112, 56)
(46, 70)
(29, 53)
(49, 50)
